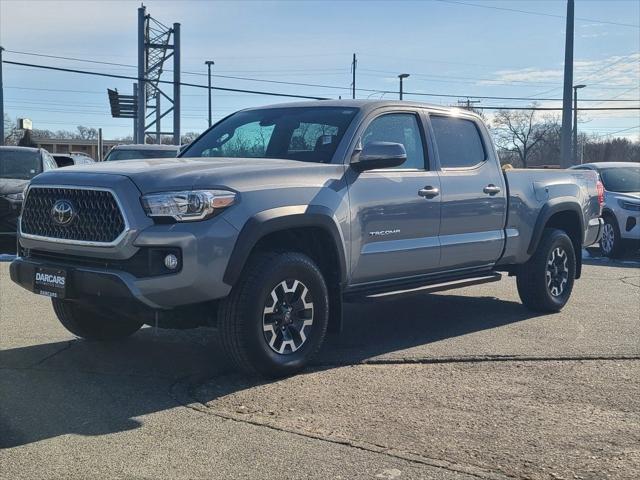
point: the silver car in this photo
(621, 210)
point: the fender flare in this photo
(553, 206)
(279, 219)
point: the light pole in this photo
(574, 157)
(402, 76)
(209, 63)
(1, 103)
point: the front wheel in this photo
(276, 317)
(90, 324)
(545, 282)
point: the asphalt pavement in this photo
(464, 384)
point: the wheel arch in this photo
(308, 229)
(564, 214)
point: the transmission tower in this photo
(157, 46)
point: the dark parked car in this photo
(68, 159)
(18, 165)
(136, 152)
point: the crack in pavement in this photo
(478, 359)
(60, 350)
(626, 280)
(90, 372)
(182, 393)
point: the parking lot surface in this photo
(459, 385)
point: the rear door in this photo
(473, 198)
(394, 228)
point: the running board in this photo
(426, 288)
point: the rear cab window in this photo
(458, 141)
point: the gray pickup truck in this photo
(275, 216)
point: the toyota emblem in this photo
(63, 212)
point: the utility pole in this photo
(574, 158)
(100, 145)
(467, 104)
(209, 64)
(142, 84)
(354, 63)
(176, 84)
(135, 117)
(1, 103)
(402, 76)
(565, 137)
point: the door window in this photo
(458, 140)
(398, 128)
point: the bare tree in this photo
(10, 134)
(519, 131)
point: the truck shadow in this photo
(93, 389)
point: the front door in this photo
(394, 218)
(473, 194)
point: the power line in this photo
(538, 13)
(69, 70)
(127, 77)
(589, 75)
(315, 85)
(554, 108)
(623, 130)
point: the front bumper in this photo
(96, 270)
(205, 248)
(629, 223)
(594, 231)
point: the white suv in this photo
(621, 211)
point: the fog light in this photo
(171, 261)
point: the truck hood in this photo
(165, 174)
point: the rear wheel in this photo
(276, 317)
(545, 282)
(611, 244)
(90, 324)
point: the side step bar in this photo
(428, 287)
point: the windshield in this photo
(308, 134)
(21, 165)
(136, 154)
(621, 179)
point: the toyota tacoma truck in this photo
(274, 217)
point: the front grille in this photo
(97, 215)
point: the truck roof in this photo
(366, 104)
(145, 146)
(16, 148)
(599, 165)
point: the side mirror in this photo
(379, 155)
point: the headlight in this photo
(629, 205)
(187, 206)
(16, 197)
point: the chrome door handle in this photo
(429, 192)
(491, 189)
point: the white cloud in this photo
(619, 71)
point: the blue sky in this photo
(465, 48)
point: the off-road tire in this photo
(532, 278)
(90, 324)
(241, 315)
